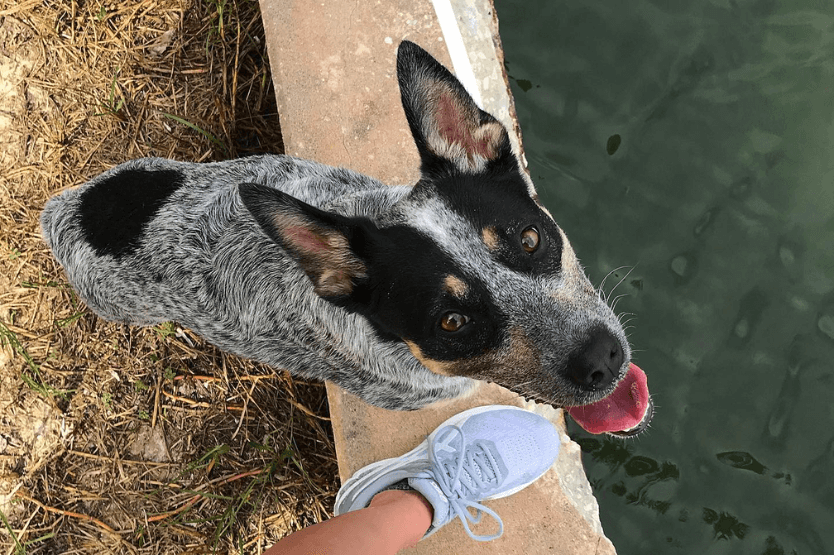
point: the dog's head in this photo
(469, 270)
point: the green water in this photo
(694, 142)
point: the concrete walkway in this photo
(333, 64)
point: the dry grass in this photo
(121, 439)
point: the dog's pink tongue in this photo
(621, 411)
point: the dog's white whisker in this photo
(617, 299)
(615, 270)
(628, 273)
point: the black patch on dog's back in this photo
(114, 211)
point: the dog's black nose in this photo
(596, 364)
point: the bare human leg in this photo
(394, 520)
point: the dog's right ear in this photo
(318, 240)
(447, 126)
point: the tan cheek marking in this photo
(517, 363)
(514, 364)
(522, 353)
(435, 366)
(490, 238)
(455, 286)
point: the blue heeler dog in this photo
(402, 295)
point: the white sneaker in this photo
(480, 454)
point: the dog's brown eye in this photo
(530, 239)
(453, 321)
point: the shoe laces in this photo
(465, 477)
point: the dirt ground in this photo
(116, 439)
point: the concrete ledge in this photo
(333, 64)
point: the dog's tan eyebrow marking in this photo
(455, 286)
(490, 237)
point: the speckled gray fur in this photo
(226, 280)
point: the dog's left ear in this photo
(447, 125)
(318, 240)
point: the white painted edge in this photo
(457, 49)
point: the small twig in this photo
(245, 405)
(307, 411)
(156, 397)
(71, 514)
(199, 404)
(128, 461)
(176, 511)
(193, 499)
(20, 8)
(246, 378)
(233, 478)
